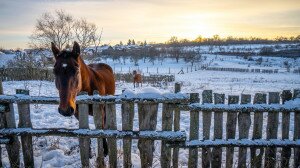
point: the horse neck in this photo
(84, 71)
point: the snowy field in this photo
(64, 152)
(169, 65)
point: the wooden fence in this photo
(242, 70)
(244, 114)
(9, 74)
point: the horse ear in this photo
(76, 49)
(55, 50)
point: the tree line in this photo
(217, 40)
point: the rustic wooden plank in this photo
(176, 126)
(237, 143)
(246, 108)
(98, 111)
(286, 95)
(1, 87)
(256, 157)
(147, 113)
(13, 148)
(272, 129)
(194, 131)
(218, 131)
(2, 125)
(172, 136)
(127, 125)
(2, 121)
(206, 152)
(118, 99)
(230, 130)
(111, 124)
(25, 122)
(296, 131)
(167, 123)
(244, 121)
(84, 143)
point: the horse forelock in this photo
(65, 54)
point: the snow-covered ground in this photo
(64, 152)
(169, 65)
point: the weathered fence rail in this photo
(9, 74)
(256, 70)
(243, 115)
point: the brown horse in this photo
(137, 78)
(72, 76)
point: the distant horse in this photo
(72, 76)
(137, 78)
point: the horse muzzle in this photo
(67, 113)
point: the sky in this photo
(156, 20)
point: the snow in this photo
(292, 105)
(64, 152)
(243, 142)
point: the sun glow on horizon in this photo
(157, 21)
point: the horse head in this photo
(67, 77)
(134, 72)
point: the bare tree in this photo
(55, 28)
(97, 40)
(85, 33)
(62, 28)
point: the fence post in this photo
(2, 122)
(2, 125)
(286, 152)
(297, 131)
(176, 126)
(147, 113)
(256, 159)
(84, 143)
(244, 127)
(272, 128)
(218, 130)
(194, 131)
(25, 122)
(230, 130)
(127, 125)
(98, 112)
(167, 122)
(206, 152)
(111, 124)
(13, 147)
(1, 87)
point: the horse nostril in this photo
(71, 110)
(62, 112)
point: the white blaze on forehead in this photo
(64, 65)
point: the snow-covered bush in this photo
(23, 60)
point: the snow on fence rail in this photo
(242, 113)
